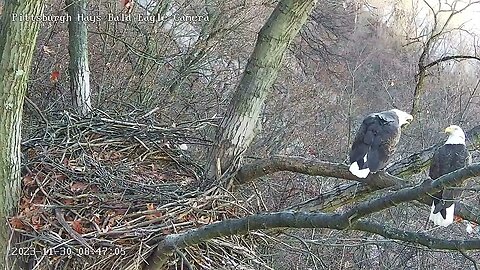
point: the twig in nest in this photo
(150, 112)
(73, 234)
(29, 101)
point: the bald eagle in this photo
(451, 156)
(376, 140)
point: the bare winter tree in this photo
(78, 69)
(17, 43)
(439, 29)
(238, 127)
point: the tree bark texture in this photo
(238, 127)
(17, 43)
(78, 69)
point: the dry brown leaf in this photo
(54, 75)
(36, 222)
(60, 177)
(97, 219)
(17, 223)
(156, 214)
(39, 199)
(94, 188)
(77, 226)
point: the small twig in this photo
(71, 232)
(470, 258)
(29, 101)
(150, 112)
(184, 259)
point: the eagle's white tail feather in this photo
(438, 218)
(355, 170)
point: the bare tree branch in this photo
(469, 258)
(347, 193)
(412, 193)
(450, 57)
(295, 220)
(303, 165)
(417, 238)
(434, 35)
(348, 220)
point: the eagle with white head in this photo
(451, 156)
(376, 140)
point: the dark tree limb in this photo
(469, 258)
(295, 220)
(302, 165)
(413, 193)
(417, 237)
(346, 193)
(450, 57)
(348, 220)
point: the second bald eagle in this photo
(376, 140)
(451, 156)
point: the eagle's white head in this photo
(403, 117)
(455, 135)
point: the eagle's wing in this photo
(374, 142)
(446, 159)
(434, 171)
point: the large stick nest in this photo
(100, 193)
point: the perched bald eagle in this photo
(376, 140)
(451, 156)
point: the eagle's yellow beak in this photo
(449, 130)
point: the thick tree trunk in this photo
(17, 43)
(78, 69)
(237, 129)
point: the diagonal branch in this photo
(450, 57)
(294, 220)
(303, 165)
(417, 237)
(412, 193)
(348, 220)
(333, 199)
